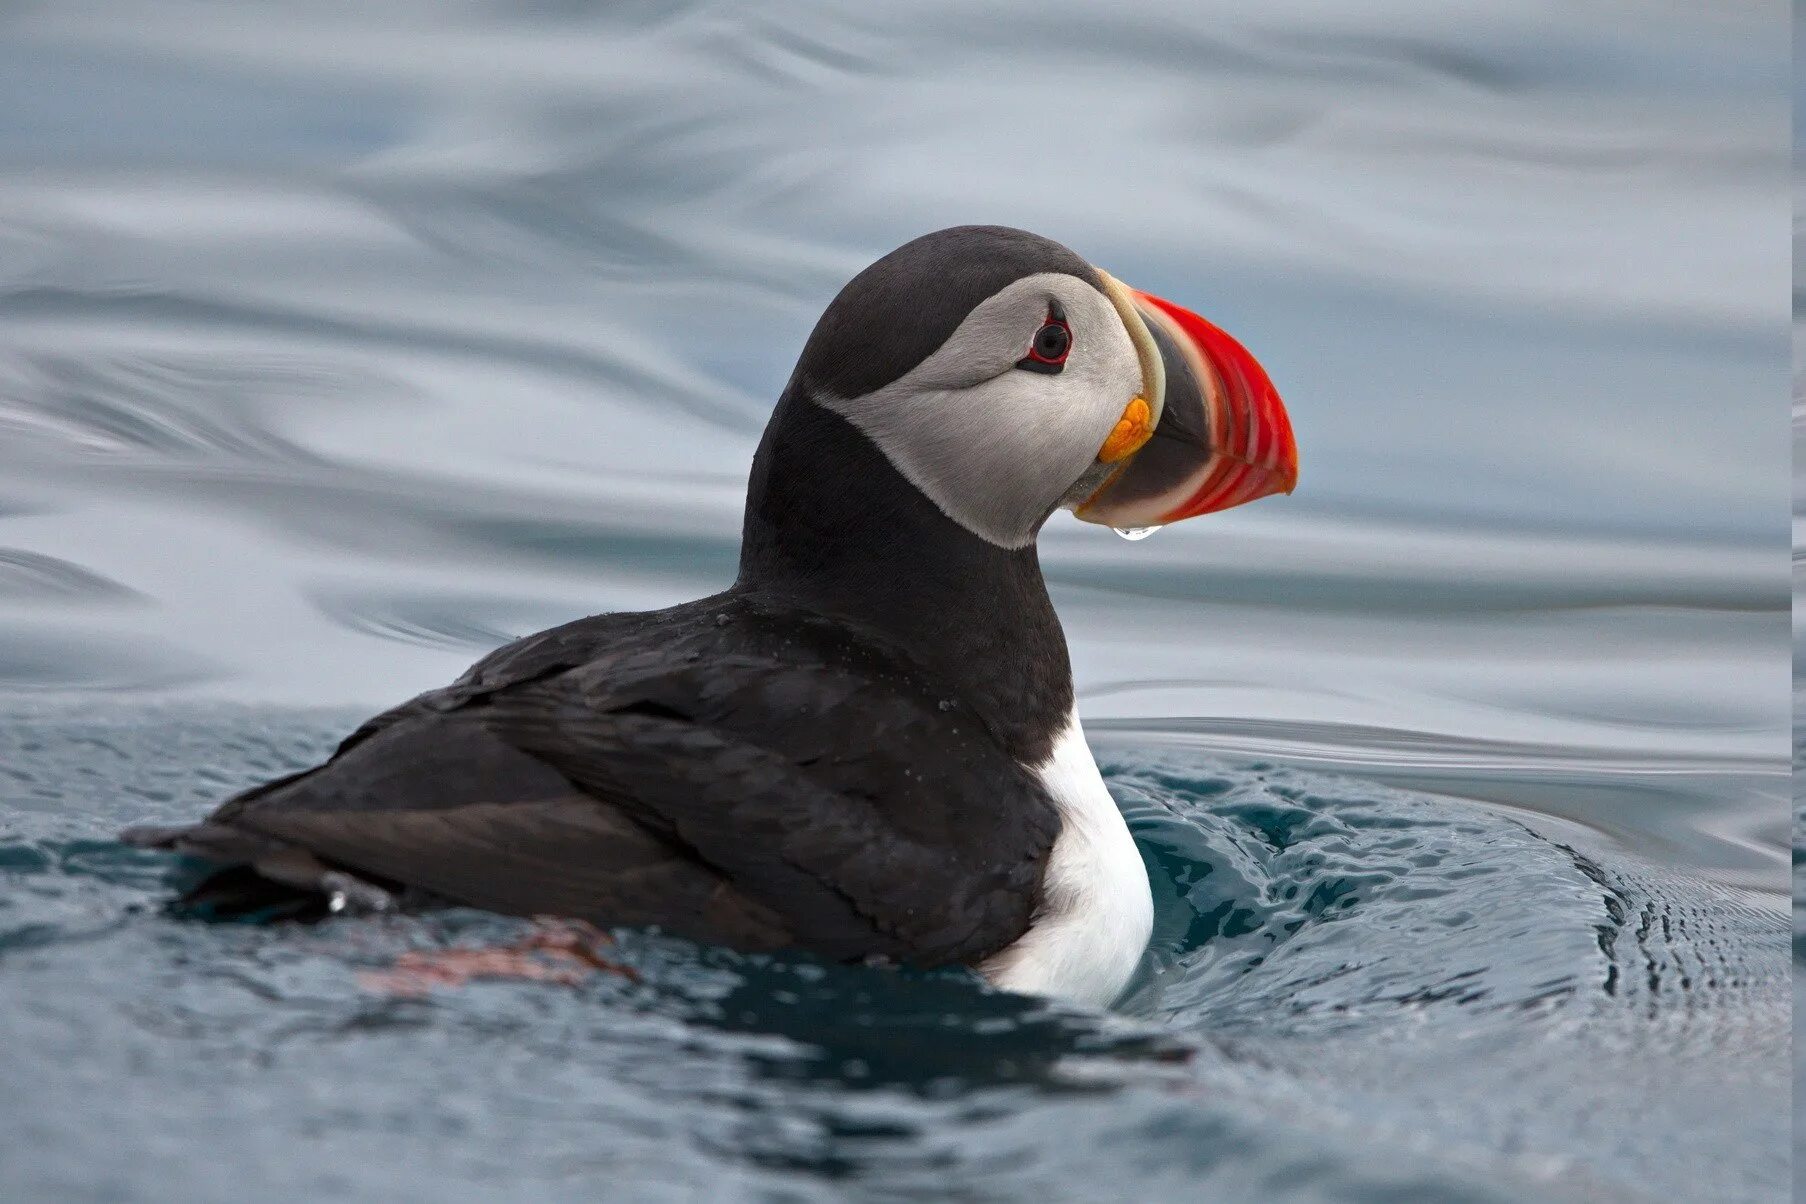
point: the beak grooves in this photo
(1254, 451)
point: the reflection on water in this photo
(338, 349)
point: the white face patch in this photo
(994, 446)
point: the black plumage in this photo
(832, 754)
(731, 769)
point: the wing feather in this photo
(788, 787)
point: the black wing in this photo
(731, 771)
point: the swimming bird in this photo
(867, 746)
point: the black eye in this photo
(1047, 352)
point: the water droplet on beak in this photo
(1134, 533)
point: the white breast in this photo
(1096, 911)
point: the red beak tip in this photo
(1251, 452)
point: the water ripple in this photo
(1351, 987)
(36, 577)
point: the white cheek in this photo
(1059, 420)
(996, 447)
(1104, 375)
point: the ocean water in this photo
(340, 344)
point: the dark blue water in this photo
(337, 347)
(1353, 992)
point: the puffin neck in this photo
(833, 527)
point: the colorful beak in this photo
(1223, 436)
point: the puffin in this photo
(867, 747)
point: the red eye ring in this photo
(1047, 351)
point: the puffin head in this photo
(1005, 378)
